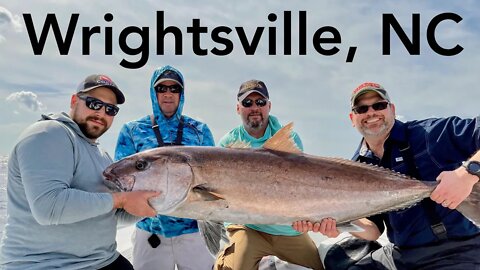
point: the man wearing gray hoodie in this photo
(60, 214)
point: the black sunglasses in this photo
(175, 89)
(249, 103)
(377, 106)
(96, 104)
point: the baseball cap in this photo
(169, 75)
(98, 80)
(368, 87)
(252, 86)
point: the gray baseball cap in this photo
(252, 86)
(98, 80)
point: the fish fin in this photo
(469, 207)
(349, 227)
(206, 193)
(282, 141)
(238, 144)
(364, 165)
(213, 233)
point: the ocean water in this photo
(3, 193)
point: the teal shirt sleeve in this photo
(226, 139)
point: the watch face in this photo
(474, 167)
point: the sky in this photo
(311, 90)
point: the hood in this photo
(159, 117)
(67, 121)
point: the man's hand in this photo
(327, 227)
(302, 226)
(135, 202)
(454, 187)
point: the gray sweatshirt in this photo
(59, 211)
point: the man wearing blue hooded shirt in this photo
(163, 241)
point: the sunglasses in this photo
(175, 89)
(96, 104)
(377, 106)
(247, 103)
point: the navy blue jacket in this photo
(437, 144)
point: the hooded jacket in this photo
(137, 136)
(59, 211)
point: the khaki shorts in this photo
(247, 247)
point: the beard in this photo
(255, 124)
(90, 131)
(369, 133)
(383, 129)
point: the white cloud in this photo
(8, 21)
(27, 100)
(7, 18)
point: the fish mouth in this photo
(113, 183)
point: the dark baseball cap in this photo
(252, 86)
(169, 75)
(368, 87)
(98, 80)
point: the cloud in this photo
(8, 21)
(7, 18)
(27, 100)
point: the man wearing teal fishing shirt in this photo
(250, 242)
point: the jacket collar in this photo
(398, 134)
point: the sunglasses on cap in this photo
(249, 103)
(377, 106)
(96, 104)
(175, 89)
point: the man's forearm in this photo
(371, 230)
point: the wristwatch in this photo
(473, 167)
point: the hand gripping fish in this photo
(276, 184)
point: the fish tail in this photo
(470, 208)
(349, 227)
(213, 233)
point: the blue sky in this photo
(311, 90)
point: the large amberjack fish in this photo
(276, 184)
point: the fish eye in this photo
(141, 164)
